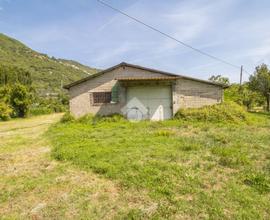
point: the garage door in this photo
(149, 102)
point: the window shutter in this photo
(115, 93)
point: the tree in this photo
(20, 99)
(219, 79)
(5, 111)
(260, 82)
(13, 74)
(243, 95)
(5, 94)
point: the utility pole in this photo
(241, 75)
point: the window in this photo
(102, 97)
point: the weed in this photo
(177, 162)
(231, 156)
(259, 181)
(224, 112)
(67, 117)
(165, 133)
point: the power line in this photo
(169, 36)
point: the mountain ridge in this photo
(48, 73)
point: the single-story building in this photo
(140, 93)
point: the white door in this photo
(149, 102)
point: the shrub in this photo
(5, 94)
(5, 111)
(67, 117)
(224, 112)
(20, 99)
(86, 119)
(243, 95)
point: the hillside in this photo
(48, 73)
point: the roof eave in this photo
(68, 86)
(123, 64)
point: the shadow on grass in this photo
(267, 114)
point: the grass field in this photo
(114, 169)
(184, 170)
(35, 186)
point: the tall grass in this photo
(224, 112)
(189, 168)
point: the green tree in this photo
(243, 95)
(5, 111)
(20, 99)
(5, 94)
(13, 74)
(219, 79)
(260, 82)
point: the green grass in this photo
(223, 112)
(190, 170)
(30, 177)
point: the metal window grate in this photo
(102, 97)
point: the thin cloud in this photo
(100, 37)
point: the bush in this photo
(86, 119)
(224, 112)
(5, 111)
(20, 99)
(68, 117)
(242, 95)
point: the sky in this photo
(87, 31)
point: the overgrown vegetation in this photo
(16, 92)
(193, 170)
(244, 96)
(224, 112)
(31, 83)
(253, 94)
(18, 98)
(260, 82)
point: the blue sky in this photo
(84, 30)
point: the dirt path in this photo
(33, 185)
